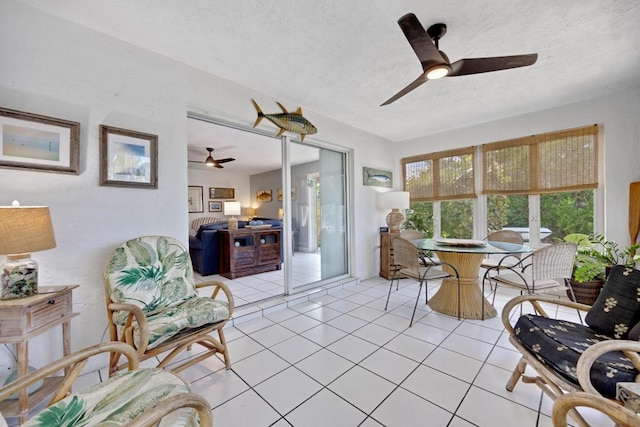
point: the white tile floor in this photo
(339, 359)
(258, 287)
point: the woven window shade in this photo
(440, 176)
(538, 164)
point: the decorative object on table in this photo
(232, 208)
(209, 161)
(128, 158)
(286, 121)
(395, 200)
(40, 143)
(436, 65)
(23, 229)
(264, 196)
(195, 199)
(377, 177)
(222, 193)
(215, 206)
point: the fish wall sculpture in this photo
(286, 121)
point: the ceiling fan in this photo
(211, 162)
(436, 64)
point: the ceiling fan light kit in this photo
(211, 162)
(436, 64)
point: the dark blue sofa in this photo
(204, 247)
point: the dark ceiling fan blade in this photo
(228, 159)
(417, 82)
(484, 65)
(195, 161)
(422, 45)
(218, 165)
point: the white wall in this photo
(618, 115)
(57, 68)
(219, 178)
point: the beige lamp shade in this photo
(232, 208)
(25, 229)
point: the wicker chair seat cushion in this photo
(151, 272)
(119, 400)
(617, 308)
(189, 315)
(515, 280)
(559, 344)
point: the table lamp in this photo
(251, 212)
(23, 229)
(395, 200)
(280, 213)
(232, 208)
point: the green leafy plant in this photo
(596, 253)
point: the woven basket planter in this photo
(586, 292)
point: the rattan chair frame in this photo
(409, 261)
(566, 395)
(74, 363)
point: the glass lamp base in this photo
(19, 277)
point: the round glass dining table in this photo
(466, 256)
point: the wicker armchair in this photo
(570, 357)
(153, 303)
(413, 263)
(137, 398)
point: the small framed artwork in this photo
(264, 196)
(128, 158)
(294, 193)
(222, 193)
(40, 143)
(195, 199)
(377, 177)
(215, 206)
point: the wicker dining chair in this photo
(544, 270)
(507, 236)
(415, 264)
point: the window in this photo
(446, 175)
(542, 184)
(538, 164)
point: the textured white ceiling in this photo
(342, 59)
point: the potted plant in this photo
(589, 268)
(594, 257)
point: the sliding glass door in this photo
(318, 214)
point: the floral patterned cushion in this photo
(617, 308)
(152, 272)
(119, 400)
(188, 315)
(559, 344)
(155, 274)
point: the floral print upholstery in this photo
(558, 344)
(119, 400)
(155, 274)
(617, 308)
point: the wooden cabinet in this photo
(386, 255)
(249, 251)
(21, 320)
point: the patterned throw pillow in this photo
(617, 309)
